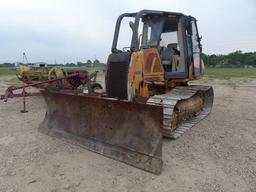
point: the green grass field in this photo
(219, 73)
(227, 73)
(7, 71)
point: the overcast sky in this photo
(49, 30)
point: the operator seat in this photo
(166, 56)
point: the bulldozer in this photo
(147, 95)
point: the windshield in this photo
(152, 29)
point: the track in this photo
(172, 128)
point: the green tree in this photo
(96, 61)
(80, 64)
(89, 62)
(234, 59)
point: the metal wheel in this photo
(94, 87)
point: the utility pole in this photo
(24, 58)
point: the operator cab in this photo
(176, 38)
(163, 33)
(174, 35)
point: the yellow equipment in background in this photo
(28, 73)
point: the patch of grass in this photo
(7, 71)
(220, 73)
(227, 73)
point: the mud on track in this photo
(218, 154)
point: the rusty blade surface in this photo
(125, 131)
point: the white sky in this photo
(49, 30)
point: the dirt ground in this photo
(218, 154)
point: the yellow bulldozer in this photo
(147, 95)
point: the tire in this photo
(93, 87)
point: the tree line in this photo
(234, 59)
(88, 63)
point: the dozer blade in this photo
(124, 131)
